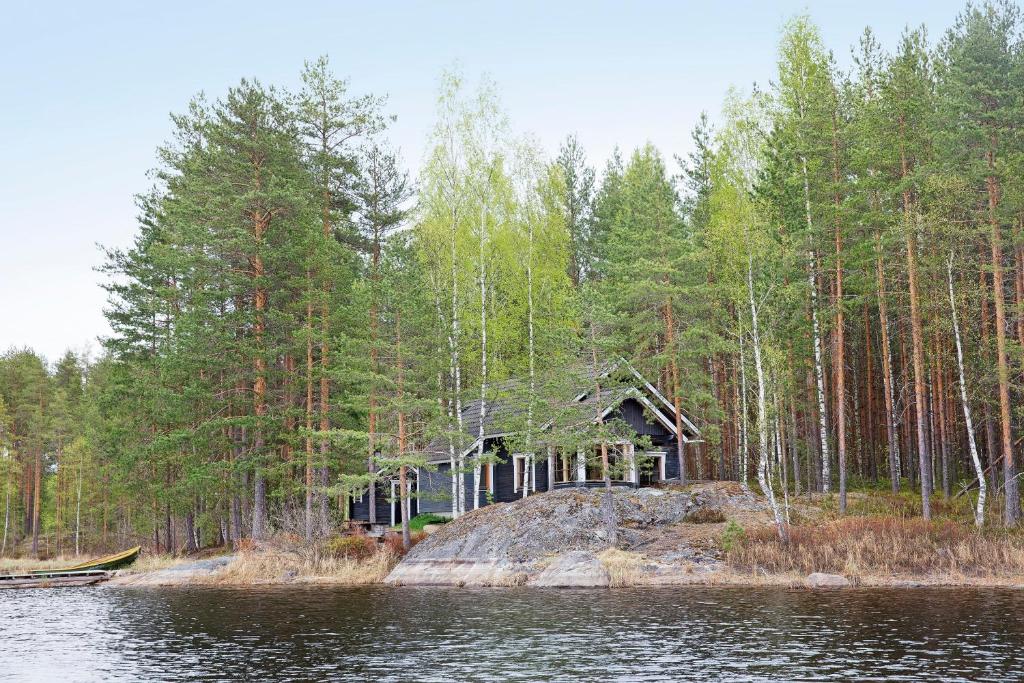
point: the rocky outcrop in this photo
(554, 539)
(575, 569)
(178, 575)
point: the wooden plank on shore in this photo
(54, 579)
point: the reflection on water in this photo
(287, 633)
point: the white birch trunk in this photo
(533, 375)
(979, 512)
(819, 373)
(762, 409)
(446, 407)
(456, 368)
(78, 507)
(483, 357)
(744, 446)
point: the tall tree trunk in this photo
(190, 533)
(309, 413)
(325, 378)
(979, 511)
(916, 333)
(607, 500)
(917, 353)
(1012, 503)
(819, 373)
(529, 464)
(991, 449)
(7, 505)
(58, 502)
(940, 402)
(763, 476)
(838, 360)
(38, 474)
(403, 483)
(793, 438)
(718, 390)
(455, 368)
(892, 436)
(870, 415)
(372, 417)
(483, 358)
(78, 509)
(674, 368)
(744, 447)
(259, 389)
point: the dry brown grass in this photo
(624, 568)
(18, 565)
(147, 562)
(882, 546)
(268, 563)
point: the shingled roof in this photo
(505, 413)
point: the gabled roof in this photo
(509, 406)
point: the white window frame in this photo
(659, 454)
(551, 468)
(519, 461)
(393, 500)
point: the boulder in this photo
(574, 569)
(553, 538)
(821, 580)
(479, 572)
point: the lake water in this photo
(288, 633)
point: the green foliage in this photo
(421, 520)
(733, 536)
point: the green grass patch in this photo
(419, 521)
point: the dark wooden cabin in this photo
(644, 456)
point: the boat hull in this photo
(108, 563)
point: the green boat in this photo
(115, 561)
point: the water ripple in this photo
(297, 634)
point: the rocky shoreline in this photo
(665, 537)
(559, 539)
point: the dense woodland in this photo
(831, 285)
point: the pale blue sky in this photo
(87, 88)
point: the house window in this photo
(523, 473)
(565, 468)
(651, 467)
(618, 462)
(486, 482)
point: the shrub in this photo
(350, 547)
(393, 542)
(733, 536)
